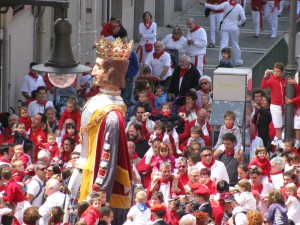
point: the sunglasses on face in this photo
(203, 83)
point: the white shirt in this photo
(30, 84)
(218, 171)
(293, 209)
(158, 65)
(34, 108)
(200, 42)
(234, 19)
(33, 188)
(180, 45)
(139, 218)
(246, 202)
(277, 180)
(56, 199)
(257, 142)
(149, 35)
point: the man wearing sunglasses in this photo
(218, 169)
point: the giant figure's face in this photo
(107, 71)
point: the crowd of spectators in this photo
(177, 177)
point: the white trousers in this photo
(214, 23)
(272, 16)
(256, 21)
(281, 6)
(198, 63)
(233, 35)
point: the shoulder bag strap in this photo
(226, 16)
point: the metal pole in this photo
(5, 84)
(290, 70)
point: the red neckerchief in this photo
(194, 186)
(52, 122)
(85, 73)
(168, 114)
(43, 104)
(134, 156)
(232, 2)
(33, 75)
(175, 39)
(183, 71)
(228, 154)
(149, 25)
(258, 188)
(161, 136)
(208, 166)
(195, 28)
(279, 172)
(229, 128)
(164, 181)
(155, 56)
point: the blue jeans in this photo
(127, 91)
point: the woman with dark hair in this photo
(67, 147)
(262, 119)
(147, 35)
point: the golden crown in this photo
(115, 50)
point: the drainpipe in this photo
(6, 82)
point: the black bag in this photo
(207, 12)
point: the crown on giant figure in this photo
(114, 50)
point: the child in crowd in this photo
(164, 155)
(19, 135)
(18, 171)
(156, 198)
(196, 133)
(51, 146)
(14, 194)
(72, 132)
(245, 198)
(205, 101)
(289, 146)
(4, 210)
(20, 155)
(160, 97)
(159, 130)
(293, 161)
(56, 216)
(139, 214)
(230, 127)
(25, 118)
(72, 112)
(226, 61)
(276, 83)
(173, 138)
(292, 203)
(166, 114)
(66, 148)
(91, 215)
(190, 107)
(261, 160)
(243, 171)
(173, 217)
(143, 101)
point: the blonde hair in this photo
(17, 146)
(291, 187)
(244, 183)
(141, 196)
(15, 163)
(72, 100)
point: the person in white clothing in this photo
(55, 198)
(176, 41)
(160, 63)
(245, 198)
(31, 82)
(277, 166)
(217, 168)
(147, 35)
(139, 214)
(233, 17)
(197, 42)
(36, 187)
(271, 12)
(263, 189)
(292, 203)
(39, 105)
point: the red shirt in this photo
(90, 215)
(53, 149)
(76, 116)
(145, 170)
(33, 137)
(24, 158)
(26, 121)
(264, 164)
(14, 193)
(183, 178)
(277, 88)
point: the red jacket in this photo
(277, 88)
(172, 218)
(53, 149)
(24, 158)
(264, 164)
(90, 216)
(26, 121)
(18, 176)
(14, 193)
(145, 170)
(76, 116)
(33, 137)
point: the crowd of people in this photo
(175, 177)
